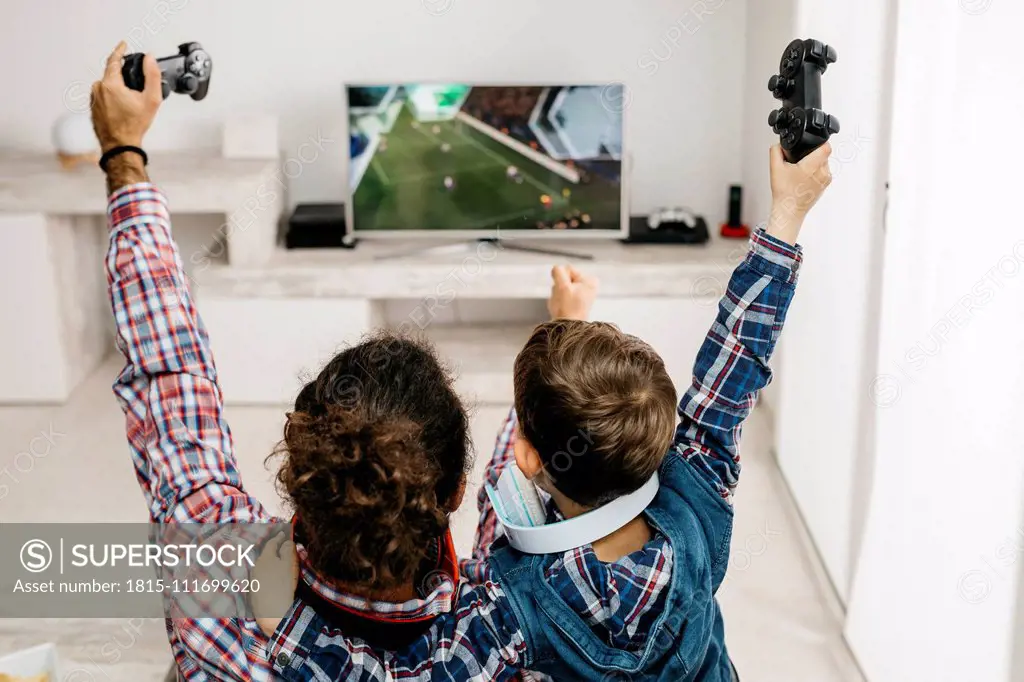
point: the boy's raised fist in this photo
(572, 293)
(796, 188)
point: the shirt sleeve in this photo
(220, 649)
(732, 364)
(174, 415)
(488, 529)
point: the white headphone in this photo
(521, 512)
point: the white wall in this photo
(936, 595)
(770, 27)
(683, 61)
(823, 406)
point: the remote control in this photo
(801, 124)
(187, 72)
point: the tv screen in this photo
(476, 160)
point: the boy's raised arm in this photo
(732, 364)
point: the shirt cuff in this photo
(131, 202)
(774, 257)
(294, 638)
(129, 189)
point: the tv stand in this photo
(474, 245)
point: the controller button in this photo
(831, 55)
(819, 119)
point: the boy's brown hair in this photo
(597, 404)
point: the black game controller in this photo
(187, 72)
(800, 124)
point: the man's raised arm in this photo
(181, 445)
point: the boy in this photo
(592, 421)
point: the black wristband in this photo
(111, 153)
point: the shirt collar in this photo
(437, 587)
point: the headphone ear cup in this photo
(516, 499)
(532, 504)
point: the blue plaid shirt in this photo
(183, 454)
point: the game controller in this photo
(801, 124)
(187, 72)
(672, 217)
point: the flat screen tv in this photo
(474, 161)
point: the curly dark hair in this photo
(373, 455)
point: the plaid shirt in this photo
(183, 455)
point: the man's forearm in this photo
(125, 169)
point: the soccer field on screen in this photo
(404, 184)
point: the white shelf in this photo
(193, 183)
(624, 271)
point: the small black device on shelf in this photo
(187, 73)
(668, 226)
(316, 226)
(735, 229)
(801, 124)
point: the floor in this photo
(780, 627)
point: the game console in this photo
(522, 515)
(315, 226)
(667, 232)
(801, 124)
(186, 73)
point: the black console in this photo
(801, 124)
(316, 226)
(674, 232)
(187, 72)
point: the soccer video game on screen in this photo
(457, 157)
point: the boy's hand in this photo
(572, 293)
(277, 569)
(796, 188)
(120, 115)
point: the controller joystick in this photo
(780, 86)
(801, 124)
(187, 72)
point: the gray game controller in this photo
(187, 73)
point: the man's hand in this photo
(120, 115)
(796, 188)
(572, 293)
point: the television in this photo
(473, 161)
